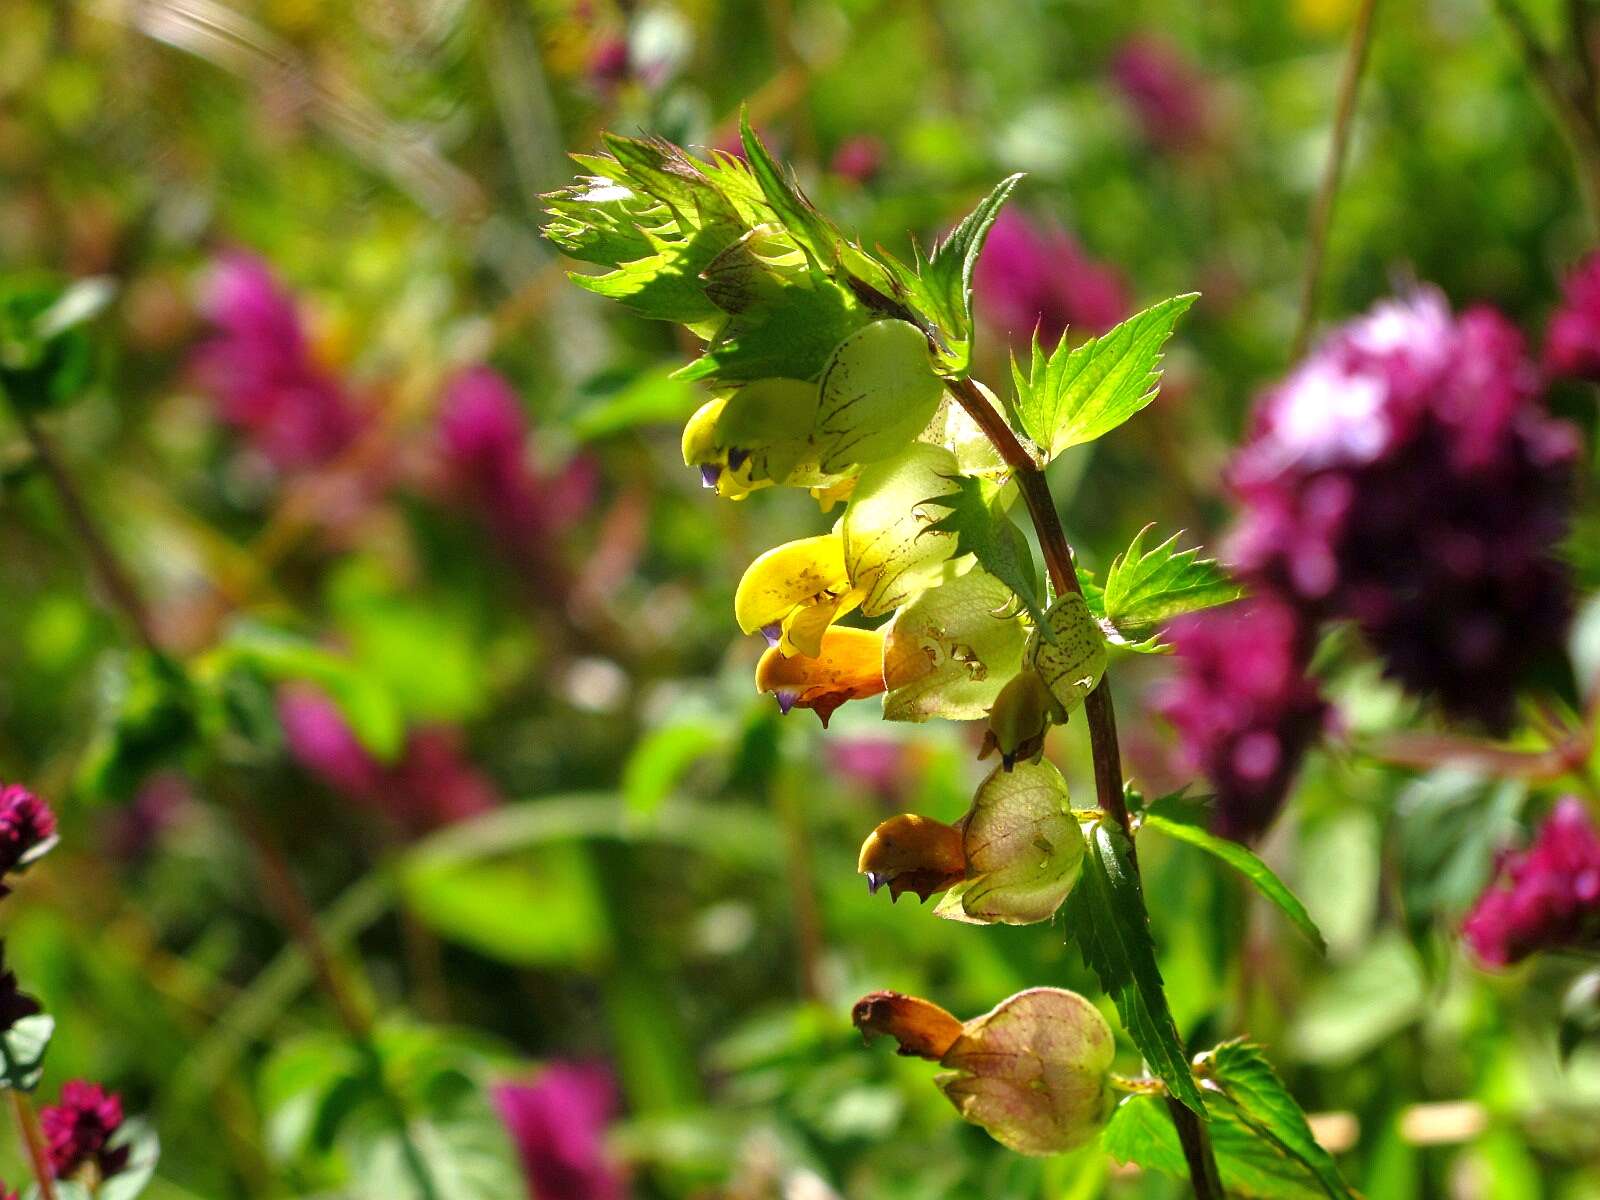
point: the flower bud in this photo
(757, 437)
(913, 854)
(1019, 720)
(849, 667)
(1034, 1072)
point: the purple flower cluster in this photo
(27, 828)
(1167, 95)
(1572, 342)
(1545, 897)
(558, 1124)
(79, 1129)
(1032, 277)
(1244, 708)
(259, 369)
(1405, 477)
(483, 439)
(432, 785)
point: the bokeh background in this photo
(350, 419)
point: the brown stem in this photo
(1569, 98)
(1098, 709)
(1332, 170)
(33, 1139)
(119, 587)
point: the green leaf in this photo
(1240, 1070)
(984, 530)
(951, 650)
(1078, 395)
(22, 1050)
(809, 228)
(1145, 589)
(940, 288)
(1247, 864)
(1141, 1131)
(1106, 912)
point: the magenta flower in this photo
(1572, 342)
(1546, 897)
(483, 438)
(430, 786)
(881, 765)
(78, 1129)
(1166, 94)
(558, 1123)
(608, 63)
(259, 369)
(1407, 478)
(1028, 277)
(27, 827)
(1245, 710)
(858, 159)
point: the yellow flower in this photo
(794, 592)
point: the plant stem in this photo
(1571, 98)
(1332, 171)
(33, 1139)
(1098, 709)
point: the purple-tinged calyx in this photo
(773, 633)
(786, 700)
(709, 474)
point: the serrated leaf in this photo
(1145, 589)
(1141, 1132)
(1241, 1072)
(1106, 913)
(993, 538)
(1242, 860)
(22, 1051)
(792, 334)
(1077, 395)
(939, 288)
(951, 650)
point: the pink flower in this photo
(78, 1129)
(882, 765)
(430, 786)
(1028, 276)
(1572, 342)
(558, 1123)
(1167, 95)
(1406, 477)
(483, 438)
(27, 827)
(1244, 708)
(260, 371)
(1543, 898)
(859, 158)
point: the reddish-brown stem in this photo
(1098, 710)
(33, 1139)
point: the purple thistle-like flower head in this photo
(558, 1123)
(1572, 342)
(1406, 477)
(260, 370)
(1543, 898)
(27, 827)
(1029, 276)
(78, 1129)
(1167, 95)
(321, 741)
(1244, 708)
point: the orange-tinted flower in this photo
(850, 667)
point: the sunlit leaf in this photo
(1079, 394)
(1144, 589)
(983, 530)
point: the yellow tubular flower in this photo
(794, 592)
(849, 666)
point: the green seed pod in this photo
(1019, 719)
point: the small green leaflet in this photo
(1078, 395)
(994, 539)
(1106, 912)
(1145, 589)
(22, 1050)
(1243, 861)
